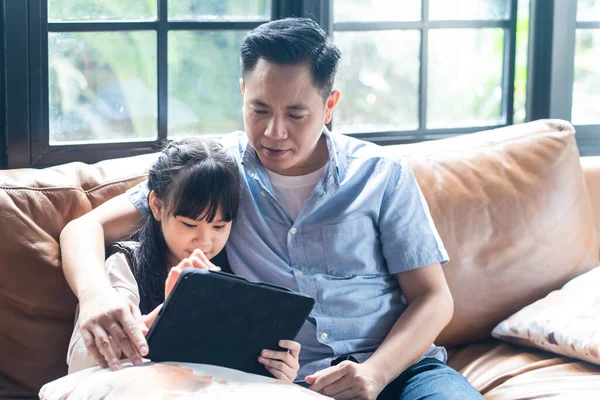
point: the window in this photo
(586, 84)
(86, 80)
(104, 61)
(3, 161)
(420, 68)
(118, 77)
(566, 76)
(585, 107)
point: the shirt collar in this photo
(254, 167)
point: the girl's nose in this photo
(201, 240)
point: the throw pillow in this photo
(173, 381)
(566, 322)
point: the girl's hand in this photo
(196, 260)
(149, 319)
(283, 365)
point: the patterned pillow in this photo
(173, 381)
(566, 322)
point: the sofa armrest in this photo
(591, 170)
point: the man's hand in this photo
(347, 380)
(111, 326)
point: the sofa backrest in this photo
(591, 171)
(36, 304)
(511, 207)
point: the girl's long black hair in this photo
(192, 178)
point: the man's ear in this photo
(155, 206)
(331, 103)
(242, 87)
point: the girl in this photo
(194, 196)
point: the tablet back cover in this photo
(221, 319)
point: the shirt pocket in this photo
(352, 248)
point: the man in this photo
(322, 214)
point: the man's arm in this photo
(104, 313)
(83, 240)
(413, 251)
(429, 310)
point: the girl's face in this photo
(184, 235)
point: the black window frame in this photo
(42, 153)
(2, 90)
(24, 130)
(424, 26)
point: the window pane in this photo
(467, 9)
(220, 9)
(588, 10)
(379, 81)
(465, 77)
(102, 86)
(204, 89)
(586, 87)
(103, 10)
(376, 10)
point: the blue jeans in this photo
(430, 379)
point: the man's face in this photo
(284, 114)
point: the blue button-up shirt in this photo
(365, 221)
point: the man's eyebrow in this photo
(259, 103)
(298, 107)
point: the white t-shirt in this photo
(293, 191)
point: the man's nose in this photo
(276, 129)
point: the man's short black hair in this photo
(293, 41)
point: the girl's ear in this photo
(155, 206)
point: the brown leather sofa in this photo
(513, 206)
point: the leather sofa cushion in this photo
(512, 208)
(36, 304)
(502, 371)
(591, 170)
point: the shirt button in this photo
(293, 231)
(300, 273)
(323, 336)
(263, 193)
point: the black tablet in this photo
(221, 319)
